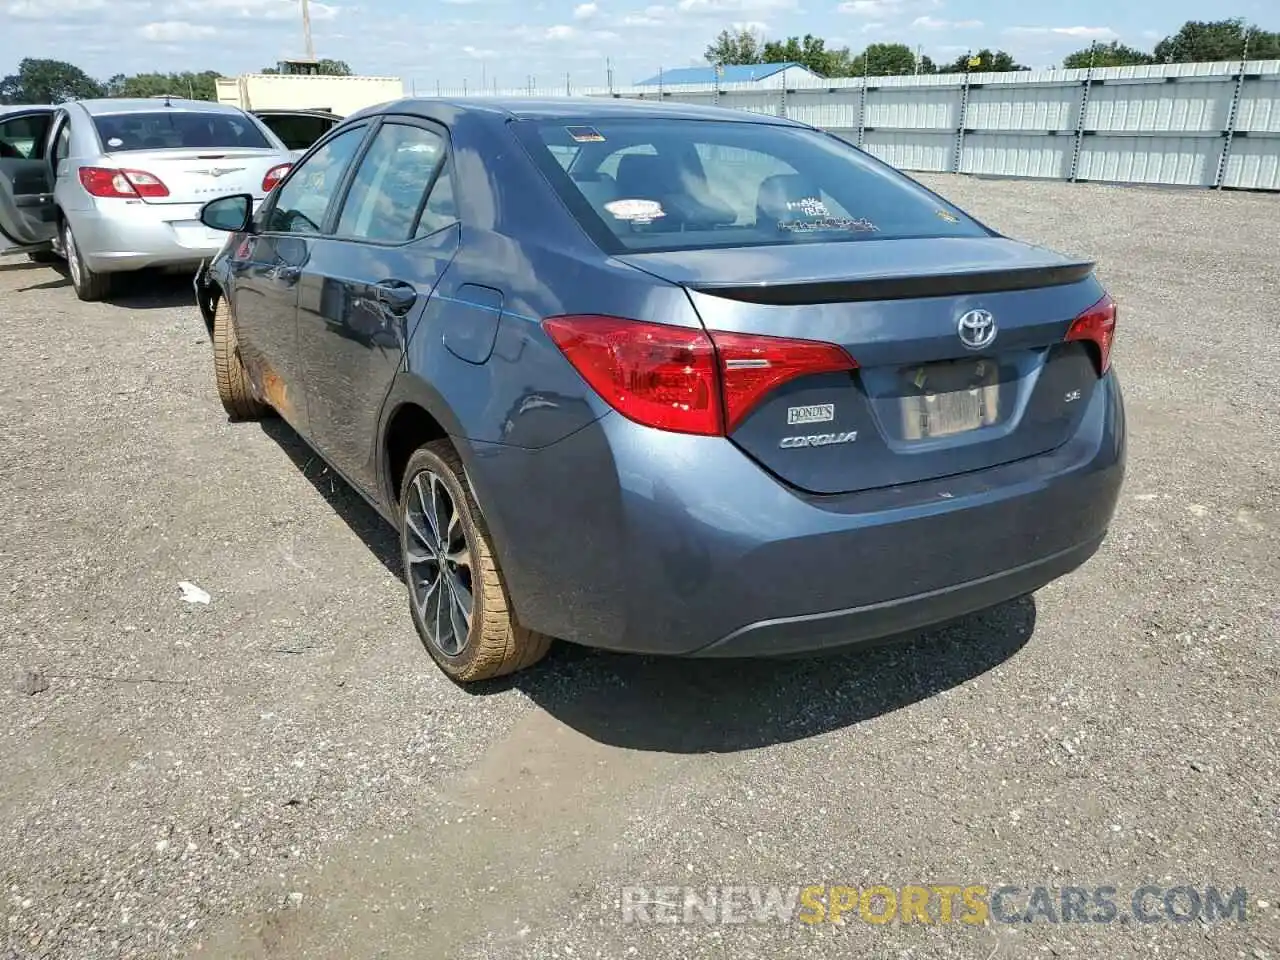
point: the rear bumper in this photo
(139, 237)
(835, 628)
(634, 540)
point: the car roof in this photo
(109, 105)
(557, 108)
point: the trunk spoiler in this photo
(897, 288)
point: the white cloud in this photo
(751, 26)
(49, 9)
(933, 23)
(872, 27)
(654, 15)
(562, 31)
(884, 9)
(175, 31)
(733, 6)
(255, 9)
(585, 11)
(479, 53)
(1079, 33)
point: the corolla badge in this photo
(977, 329)
(819, 440)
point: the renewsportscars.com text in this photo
(938, 904)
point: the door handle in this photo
(396, 295)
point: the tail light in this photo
(121, 184)
(1098, 326)
(274, 176)
(682, 379)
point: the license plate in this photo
(930, 414)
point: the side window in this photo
(387, 189)
(22, 138)
(440, 210)
(302, 201)
(62, 144)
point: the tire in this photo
(494, 644)
(234, 389)
(89, 286)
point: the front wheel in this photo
(234, 389)
(457, 594)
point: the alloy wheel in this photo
(439, 563)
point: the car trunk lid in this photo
(197, 175)
(931, 396)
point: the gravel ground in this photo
(282, 773)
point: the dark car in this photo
(668, 379)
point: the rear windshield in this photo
(165, 129)
(658, 184)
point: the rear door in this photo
(266, 269)
(298, 130)
(27, 219)
(363, 285)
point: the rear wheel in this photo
(457, 595)
(89, 286)
(234, 389)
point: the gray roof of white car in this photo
(106, 106)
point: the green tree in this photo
(330, 68)
(988, 62)
(47, 81)
(197, 86)
(735, 47)
(884, 60)
(1113, 54)
(1200, 41)
(811, 51)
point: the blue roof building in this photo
(731, 73)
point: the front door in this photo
(364, 286)
(267, 267)
(27, 216)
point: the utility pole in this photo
(306, 31)
(608, 72)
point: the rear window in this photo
(657, 184)
(169, 129)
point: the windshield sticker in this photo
(636, 211)
(948, 216)
(809, 207)
(115, 142)
(585, 134)
(860, 225)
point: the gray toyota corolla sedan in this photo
(666, 379)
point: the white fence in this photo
(1182, 124)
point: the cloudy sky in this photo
(447, 41)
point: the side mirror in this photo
(233, 214)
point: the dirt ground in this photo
(283, 773)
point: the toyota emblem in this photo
(977, 329)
